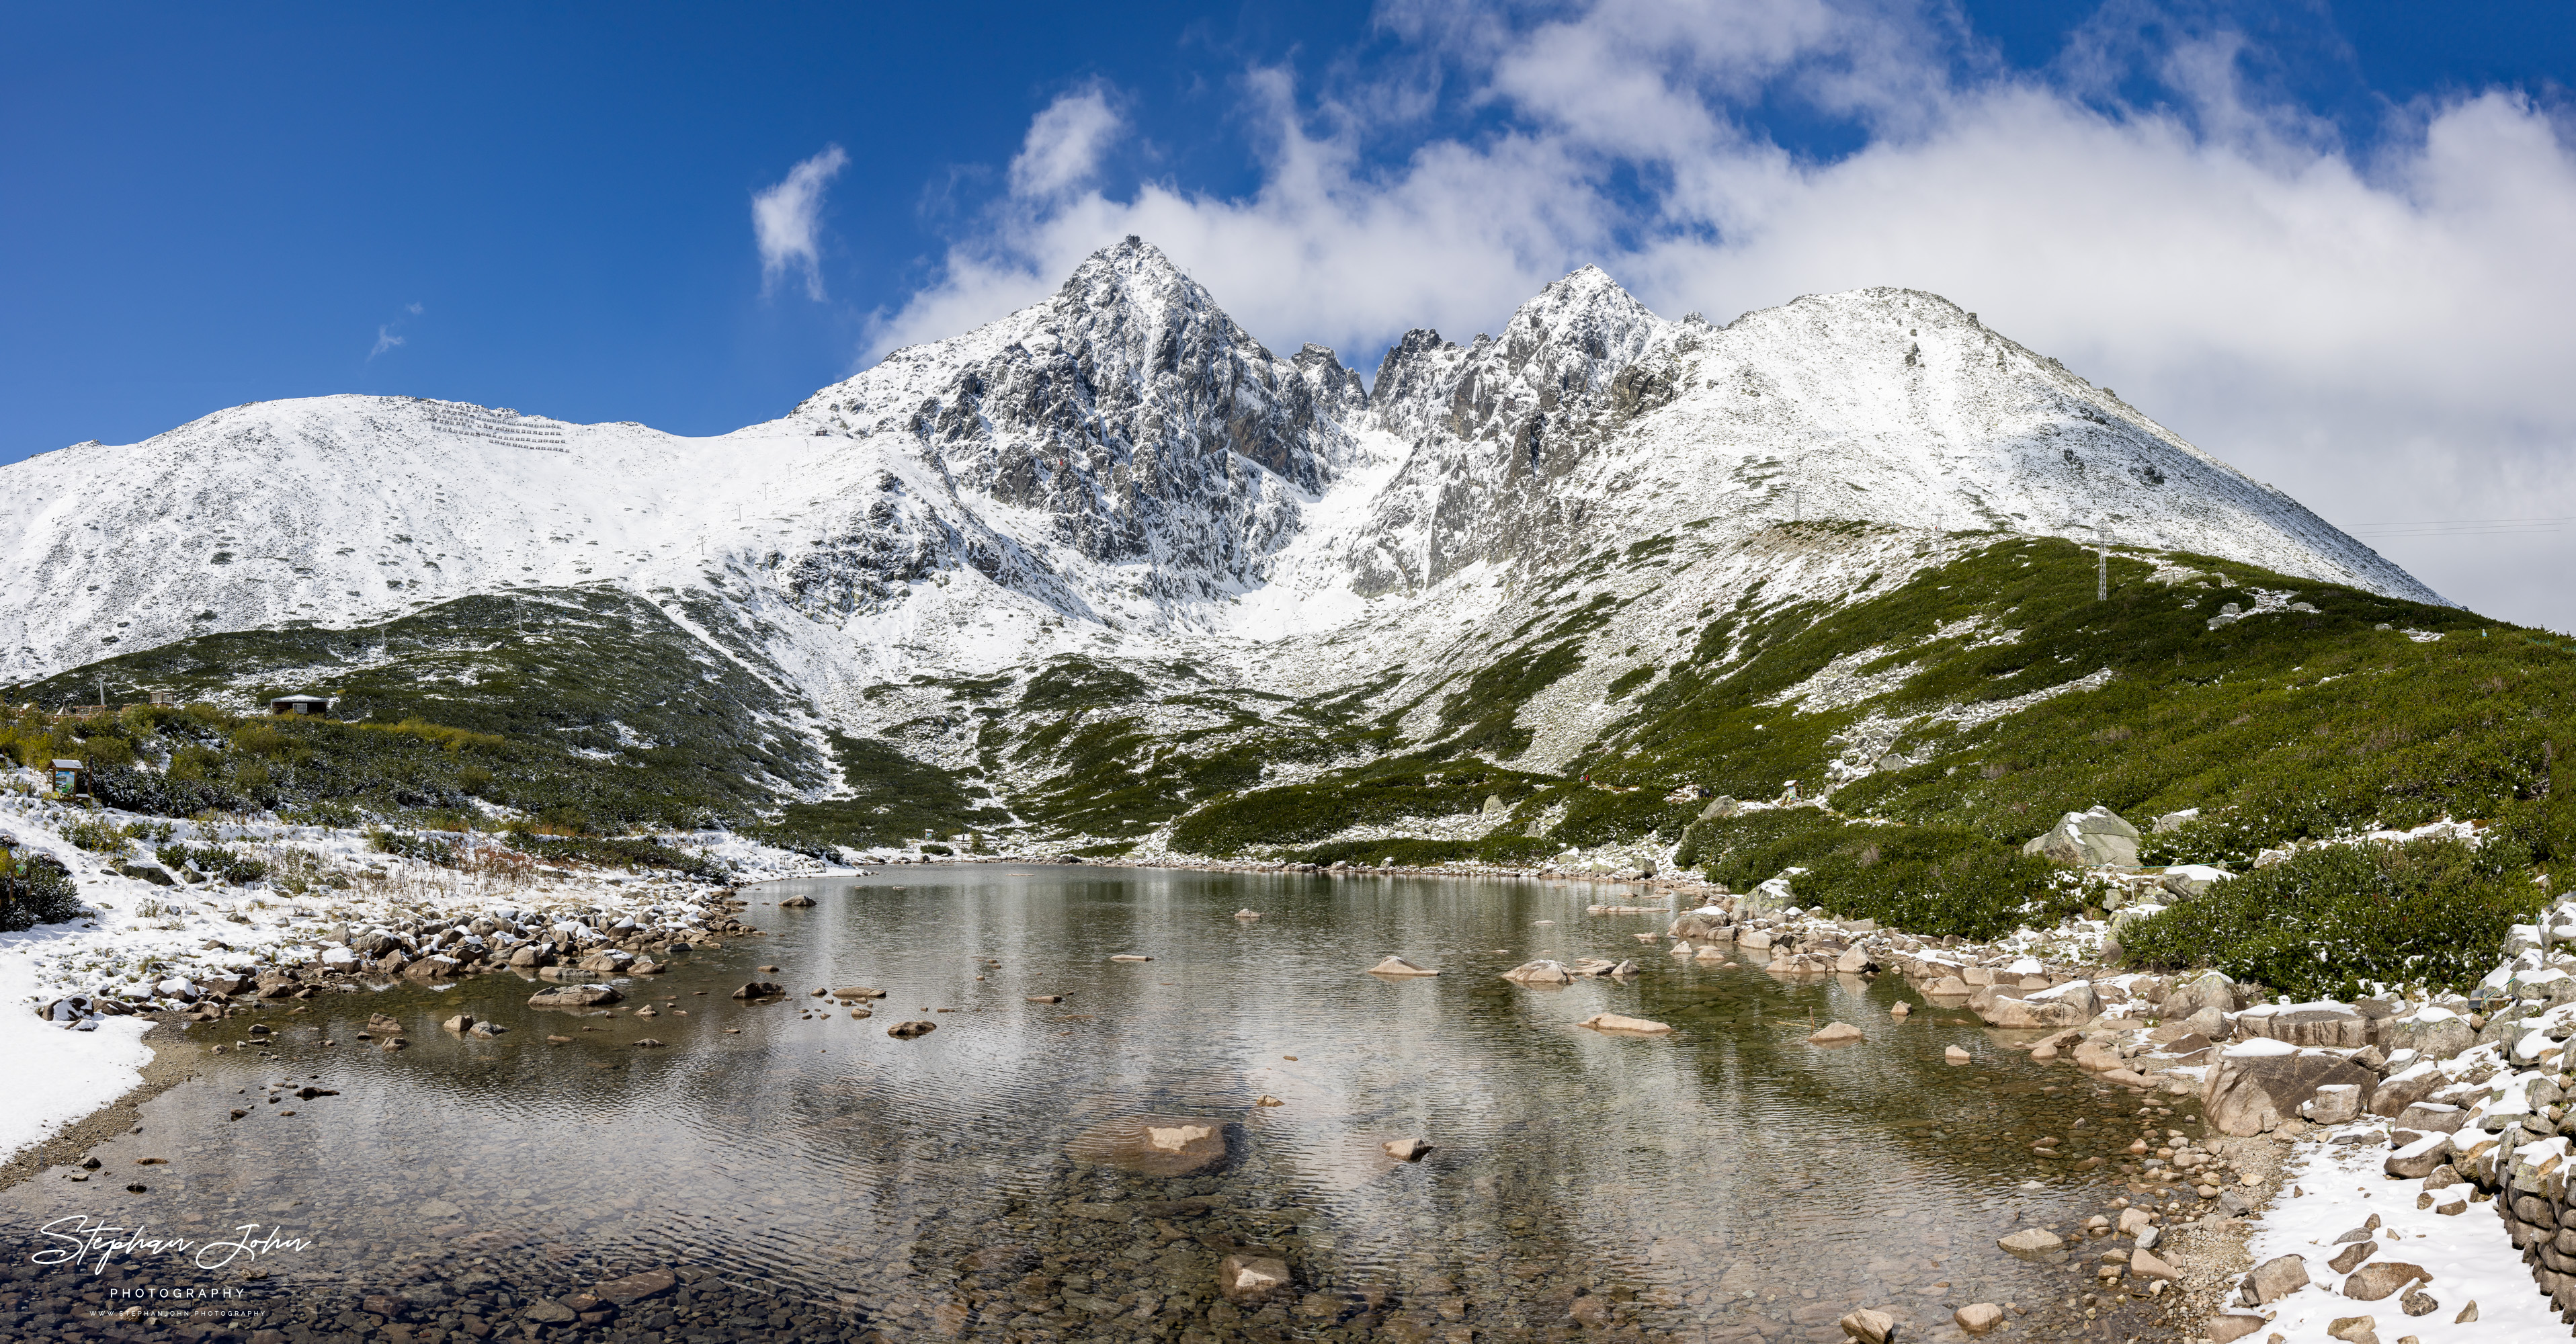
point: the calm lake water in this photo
(822, 1179)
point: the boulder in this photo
(2145, 1266)
(2327, 1025)
(381, 1025)
(1835, 1033)
(797, 903)
(1156, 1145)
(1978, 1318)
(1406, 1150)
(2209, 989)
(2187, 880)
(2418, 1159)
(1633, 1025)
(761, 989)
(1399, 966)
(1948, 986)
(2255, 1085)
(2067, 1005)
(2228, 1327)
(904, 1031)
(1869, 1326)
(2433, 1033)
(2277, 1278)
(1720, 808)
(2374, 1281)
(2334, 1104)
(1955, 1055)
(858, 992)
(2432, 1117)
(2170, 822)
(2031, 1242)
(2088, 839)
(1540, 973)
(573, 996)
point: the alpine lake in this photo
(781, 1169)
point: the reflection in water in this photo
(819, 1178)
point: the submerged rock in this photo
(1156, 1145)
(573, 996)
(1835, 1033)
(1399, 966)
(1634, 1025)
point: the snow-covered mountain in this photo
(1123, 472)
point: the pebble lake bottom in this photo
(780, 1169)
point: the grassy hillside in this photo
(1956, 710)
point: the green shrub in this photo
(404, 844)
(1927, 880)
(40, 892)
(2327, 919)
(95, 835)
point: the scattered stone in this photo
(1129, 956)
(904, 1031)
(1399, 966)
(2231, 1326)
(858, 992)
(2354, 1329)
(1247, 914)
(1835, 1033)
(2031, 1242)
(648, 1043)
(461, 1023)
(1869, 1326)
(2146, 1266)
(1900, 1011)
(761, 989)
(797, 903)
(1406, 1150)
(1046, 998)
(2417, 1302)
(2350, 1257)
(1248, 1278)
(1955, 1055)
(1978, 1318)
(382, 1025)
(1155, 1145)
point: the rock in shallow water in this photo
(1835, 1033)
(1248, 1278)
(573, 996)
(1635, 1026)
(1156, 1145)
(1399, 966)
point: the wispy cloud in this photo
(386, 339)
(785, 219)
(2380, 334)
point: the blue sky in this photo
(2324, 243)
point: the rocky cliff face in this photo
(1127, 417)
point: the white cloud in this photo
(1064, 143)
(385, 340)
(785, 217)
(2382, 337)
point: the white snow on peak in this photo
(1121, 469)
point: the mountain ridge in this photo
(1120, 482)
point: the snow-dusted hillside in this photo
(1122, 472)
